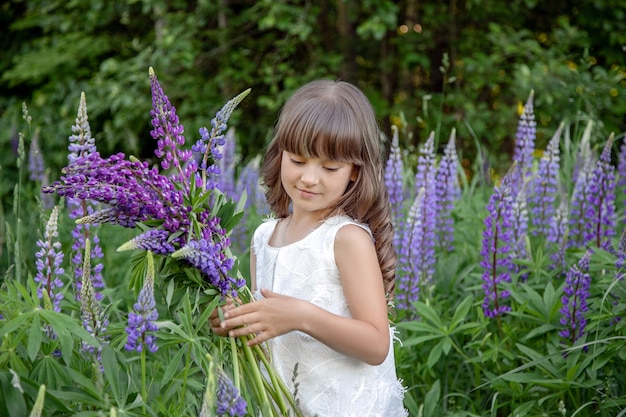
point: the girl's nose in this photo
(310, 175)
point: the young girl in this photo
(325, 266)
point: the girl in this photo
(325, 266)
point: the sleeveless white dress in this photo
(329, 384)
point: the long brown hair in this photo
(335, 120)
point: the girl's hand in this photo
(215, 321)
(273, 316)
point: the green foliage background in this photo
(426, 65)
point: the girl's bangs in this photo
(322, 131)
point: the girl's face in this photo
(314, 184)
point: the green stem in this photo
(233, 350)
(277, 382)
(144, 392)
(256, 375)
(187, 362)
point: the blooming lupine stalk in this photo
(93, 316)
(620, 262)
(227, 163)
(557, 234)
(410, 246)
(49, 263)
(576, 291)
(497, 246)
(394, 181)
(602, 200)
(229, 401)
(134, 192)
(448, 192)
(519, 229)
(579, 221)
(141, 321)
(621, 166)
(209, 142)
(422, 229)
(82, 145)
(168, 131)
(525, 139)
(544, 187)
(208, 254)
(36, 165)
(255, 203)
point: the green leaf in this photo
(432, 399)
(435, 354)
(34, 338)
(461, 312)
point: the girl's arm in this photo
(365, 336)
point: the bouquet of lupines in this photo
(185, 221)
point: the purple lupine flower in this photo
(601, 195)
(36, 165)
(584, 155)
(94, 318)
(227, 163)
(229, 401)
(49, 261)
(578, 221)
(153, 240)
(620, 262)
(168, 131)
(37, 169)
(208, 255)
(134, 191)
(498, 245)
(141, 321)
(621, 165)
(209, 143)
(525, 139)
(394, 170)
(423, 242)
(576, 291)
(411, 237)
(544, 187)
(557, 234)
(82, 145)
(448, 192)
(256, 203)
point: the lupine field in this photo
(510, 286)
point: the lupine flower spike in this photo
(544, 187)
(602, 200)
(621, 253)
(410, 247)
(394, 181)
(82, 145)
(580, 207)
(229, 401)
(94, 318)
(209, 142)
(621, 166)
(497, 246)
(49, 263)
(141, 321)
(221, 397)
(525, 139)
(168, 132)
(423, 242)
(448, 192)
(576, 291)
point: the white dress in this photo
(330, 384)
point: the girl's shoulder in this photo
(341, 220)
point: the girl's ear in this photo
(355, 174)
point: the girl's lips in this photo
(306, 194)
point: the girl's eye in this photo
(331, 169)
(295, 161)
